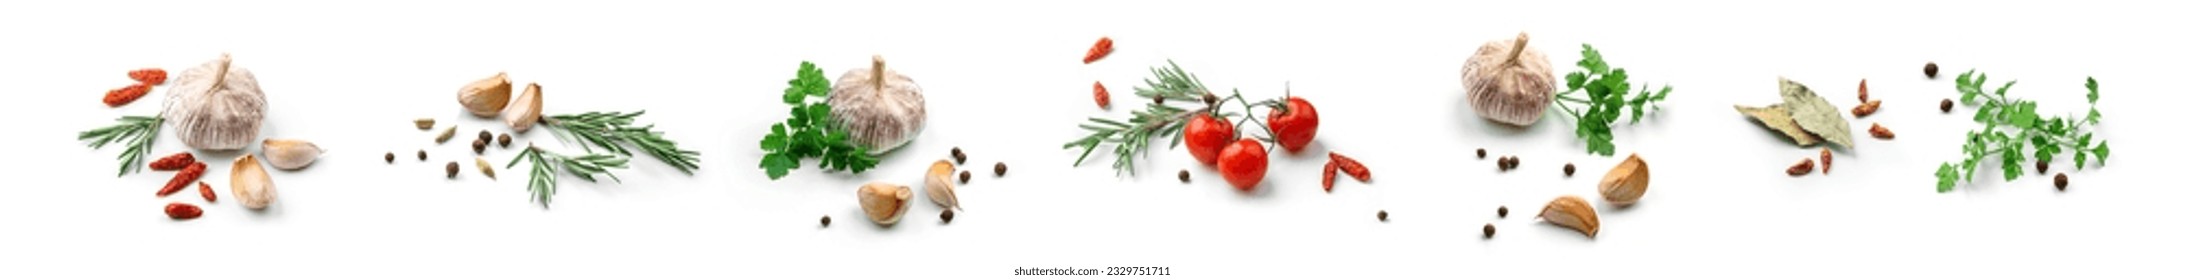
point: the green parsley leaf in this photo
(2093, 91)
(809, 132)
(1946, 178)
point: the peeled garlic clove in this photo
(290, 154)
(1508, 83)
(879, 108)
(939, 187)
(215, 107)
(486, 97)
(1572, 212)
(250, 183)
(1626, 183)
(525, 111)
(884, 203)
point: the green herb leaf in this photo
(544, 165)
(1945, 178)
(2093, 91)
(2101, 152)
(2009, 126)
(137, 131)
(809, 132)
(1606, 89)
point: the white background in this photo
(1004, 82)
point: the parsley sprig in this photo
(544, 164)
(138, 131)
(808, 132)
(2009, 126)
(1605, 89)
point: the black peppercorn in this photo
(505, 140)
(1569, 169)
(1489, 230)
(1000, 169)
(1482, 152)
(1931, 70)
(948, 215)
(1208, 98)
(451, 169)
(1502, 163)
(1158, 99)
(825, 220)
(390, 157)
(420, 155)
(1383, 215)
(1946, 105)
(484, 136)
(2061, 181)
(2041, 166)
(958, 153)
(1502, 212)
(1183, 175)
(1513, 162)
(478, 146)
(963, 178)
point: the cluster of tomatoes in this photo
(1214, 140)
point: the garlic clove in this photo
(215, 106)
(938, 186)
(250, 183)
(485, 97)
(290, 154)
(525, 112)
(884, 203)
(1626, 183)
(1572, 212)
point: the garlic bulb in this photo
(289, 154)
(880, 108)
(485, 97)
(215, 107)
(884, 203)
(1508, 83)
(525, 112)
(249, 182)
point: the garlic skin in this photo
(881, 109)
(290, 154)
(939, 187)
(249, 182)
(485, 97)
(1626, 183)
(525, 112)
(1572, 212)
(1508, 83)
(215, 106)
(884, 203)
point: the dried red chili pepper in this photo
(205, 190)
(149, 76)
(1100, 95)
(1327, 177)
(181, 211)
(1099, 50)
(183, 179)
(1351, 166)
(124, 95)
(176, 161)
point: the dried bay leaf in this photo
(1777, 117)
(1815, 114)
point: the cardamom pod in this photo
(938, 186)
(445, 135)
(1572, 212)
(486, 167)
(290, 154)
(884, 203)
(249, 182)
(423, 123)
(1626, 183)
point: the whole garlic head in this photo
(880, 108)
(215, 107)
(1508, 83)
(485, 97)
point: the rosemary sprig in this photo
(544, 164)
(139, 131)
(1132, 136)
(611, 130)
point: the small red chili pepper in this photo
(1351, 166)
(124, 95)
(174, 162)
(205, 190)
(1100, 95)
(1099, 50)
(1327, 176)
(183, 179)
(180, 211)
(149, 76)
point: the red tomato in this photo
(1294, 128)
(1206, 135)
(1243, 164)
